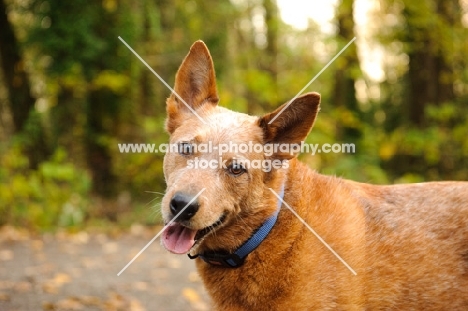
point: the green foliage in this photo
(117, 83)
(422, 110)
(142, 172)
(53, 195)
(67, 42)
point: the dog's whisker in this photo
(155, 214)
(156, 205)
(152, 200)
(156, 211)
(154, 192)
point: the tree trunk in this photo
(430, 66)
(421, 81)
(344, 94)
(20, 99)
(450, 13)
(430, 76)
(271, 21)
(98, 155)
(271, 52)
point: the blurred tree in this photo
(344, 93)
(270, 55)
(93, 93)
(26, 121)
(429, 25)
(89, 73)
(425, 116)
(256, 29)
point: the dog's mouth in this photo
(179, 239)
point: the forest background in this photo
(70, 92)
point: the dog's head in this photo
(217, 194)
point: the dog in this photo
(406, 245)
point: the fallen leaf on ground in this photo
(10, 233)
(135, 305)
(48, 306)
(37, 245)
(110, 247)
(115, 302)
(6, 284)
(69, 304)
(88, 262)
(50, 288)
(195, 300)
(22, 287)
(175, 263)
(142, 286)
(191, 295)
(194, 277)
(4, 297)
(161, 290)
(137, 230)
(81, 237)
(6, 255)
(61, 278)
(91, 300)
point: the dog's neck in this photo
(236, 258)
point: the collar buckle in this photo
(223, 259)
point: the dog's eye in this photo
(236, 168)
(185, 148)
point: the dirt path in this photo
(79, 272)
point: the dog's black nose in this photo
(179, 201)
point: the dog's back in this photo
(416, 246)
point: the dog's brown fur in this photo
(407, 243)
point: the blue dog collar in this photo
(236, 259)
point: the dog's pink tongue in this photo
(178, 239)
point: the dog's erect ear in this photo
(292, 125)
(195, 82)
